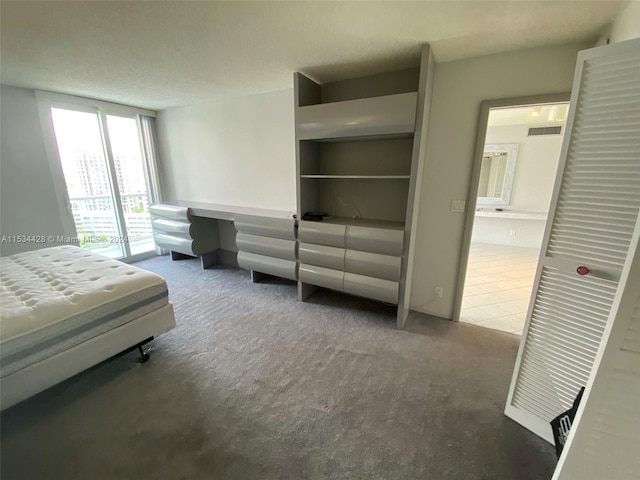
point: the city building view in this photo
(92, 203)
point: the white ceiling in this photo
(161, 54)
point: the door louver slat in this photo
(556, 346)
(562, 360)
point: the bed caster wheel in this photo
(144, 356)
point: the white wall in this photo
(239, 151)
(627, 24)
(28, 201)
(508, 231)
(533, 182)
(459, 89)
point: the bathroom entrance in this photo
(515, 175)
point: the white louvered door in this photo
(587, 240)
(605, 435)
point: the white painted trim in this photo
(421, 139)
(63, 100)
(531, 423)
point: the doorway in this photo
(519, 148)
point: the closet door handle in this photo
(582, 270)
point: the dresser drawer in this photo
(266, 226)
(375, 240)
(272, 247)
(370, 287)
(174, 227)
(321, 255)
(174, 243)
(273, 266)
(322, 277)
(318, 233)
(373, 265)
(171, 212)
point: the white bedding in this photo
(55, 298)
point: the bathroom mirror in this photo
(496, 173)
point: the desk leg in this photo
(210, 259)
(257, 277)
(179, 256)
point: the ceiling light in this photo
(556, 114)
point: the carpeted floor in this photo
(255, 385)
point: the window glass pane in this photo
(131, 182)
(86, 175)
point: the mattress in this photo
(56, 298)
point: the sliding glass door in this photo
(131, 181)
(107, 180)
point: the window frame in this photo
(148, 150)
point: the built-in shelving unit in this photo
(358, 145)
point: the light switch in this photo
(457, 206)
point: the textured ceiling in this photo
(162, 54)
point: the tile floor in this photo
(498, 286)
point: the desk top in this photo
(228, 212)
(512, 214)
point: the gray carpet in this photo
(255, 385)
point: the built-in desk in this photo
(512, 214)
(360, 257)
(258, 239)
(516, 228)
(228, 212)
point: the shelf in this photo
(364, 222)
(361, 177)
(363, 138)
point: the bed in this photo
(64, 309)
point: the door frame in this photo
(472, 195)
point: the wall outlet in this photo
(513, 233)
(439, 292)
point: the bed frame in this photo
(35, 378)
